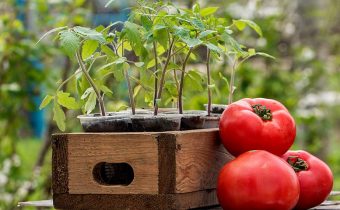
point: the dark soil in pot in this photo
(216, 108)
(126, 122)
(192, 119)
(110, 123)
(157, 123)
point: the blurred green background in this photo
(303, 35)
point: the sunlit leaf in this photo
(91, 102)
(139, 64)
(241, 24)
(46, 101)
(69, 42)
(205, 34)
(208, 11)
(67, 101)
(59, 116)
(88, 33)
(88, 48)
(265, 55)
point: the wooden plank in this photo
(199, 157)
(135, 201)
(140, 150)
(113, 202)
(199, 199)
(59, 163)
(167, 163)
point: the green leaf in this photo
(120, 60)
(89, 47)
(251, 51)
(146, 22)
(182, 33)
(139, 64)
(205, 34)
(50, 32)
(265, 55)
(69, 42)
(136, 90)
(121, 108)
(198, 24)
(208, 11)
(171, 88)
(65, 100)
(133, 36)
(214, 48)
(105, 89)
(88, 33)
(118, 73)
(46, 101)
(224, 78)
(192, 42)
(151, 63)
(87, 93)
(59, 116)
(109, 2)
(196, 8)
(241, 24)
(90, 103)
(108, 51)
(194, 79)
(148, 98)
(161, 35)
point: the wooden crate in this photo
(171, 170)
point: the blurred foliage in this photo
(303, 35)
(21, 81)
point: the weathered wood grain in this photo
(59, 163)
(199, 157)
(135, 201)
(138, 150)
(172, 170)
(166, 162)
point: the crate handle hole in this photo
(113, 173)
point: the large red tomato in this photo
(315, 178)
(257, 124)
(257, 180)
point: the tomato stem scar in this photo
(297, 163)
(262, 111)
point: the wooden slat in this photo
(135, 201)
(199, 157)
(59, 163)
(87, 150)
(167, 163)
(199, 199)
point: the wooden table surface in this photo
(327, 205)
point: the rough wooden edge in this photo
(59, 163)
(190, 200)
(198, 199)
(166, 163)
(113, 202)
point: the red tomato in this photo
(257, 124)
(257, 180)
(315, 178)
